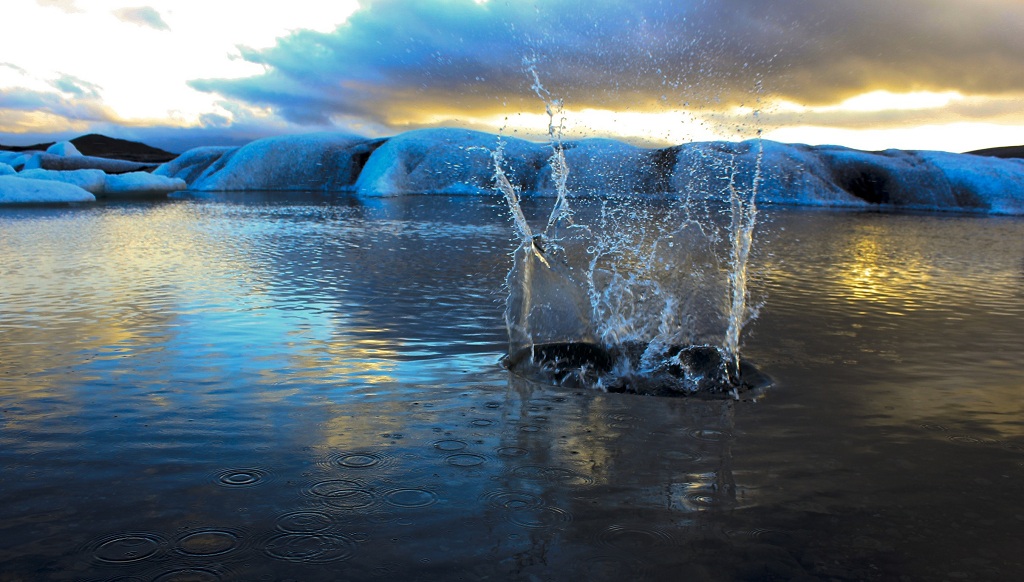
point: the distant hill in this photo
(102, 146)
(1003, 152)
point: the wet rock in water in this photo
(692, 371)
(570, 363)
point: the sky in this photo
(867, 74)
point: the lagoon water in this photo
(307, 387)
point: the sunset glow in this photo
(187, 72)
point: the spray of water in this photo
(631, 299)
(743, 214)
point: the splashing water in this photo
(642, 296)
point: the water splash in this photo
(743, 213)
(630, 295)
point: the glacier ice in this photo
(319, 161)
(18, 190)
(140, 183)
(64, 148)
(111, 166)
(102, 184)
(459, 161)
(92, 181)
(444, 161)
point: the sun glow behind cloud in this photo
(869, 74)
(141, 70)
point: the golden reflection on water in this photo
(72, 306)
(869, 268)
(922, 308)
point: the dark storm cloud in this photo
(142, 16)
(395, 59)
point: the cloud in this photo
(72, 107)
(142, 16)
(54, 105)
(76, 87)
(65, 5)
(394, 60)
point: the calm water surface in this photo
(306, 387)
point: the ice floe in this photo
(47, 161)
(140, 183)
(18, 190)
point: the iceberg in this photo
(64, 149)
(92, 181)
(103, 185)
(452, 161)
(15, 160)
(141, 184)
(319, 161)
(6, 170)
(47, 161)
(18, 190)
(447, 161)
(192, 164)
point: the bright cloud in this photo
(142, 16)
(866, 72)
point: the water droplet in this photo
(128, 547)
(450, 445)
(480, 422)
(343, 494)
(188, 575)
(465, 460)
(207, 542)
(311, 548)
(634, 536)
(304, 522)
(240, 477)
(357, 460)
(540, 517)
(410, 497)
(512, 499)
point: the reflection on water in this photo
(305, 387)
